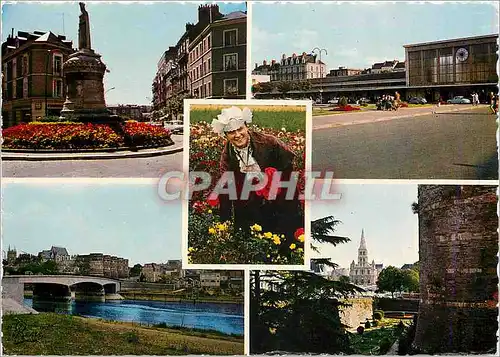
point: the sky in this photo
(117, 218)
(383, 211)
(130, 37)
(359, 35)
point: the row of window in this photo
(203, 68)
(230, 38)
(20, 89)
(200, 49)
(14, 68)
(292, 61)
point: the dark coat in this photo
(276, 216)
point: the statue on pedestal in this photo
(84, 29)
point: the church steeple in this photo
(362, 245)
(362, 251)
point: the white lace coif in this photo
(231, 119)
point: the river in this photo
(226, 318)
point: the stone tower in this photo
(458, 246)
(11, 256)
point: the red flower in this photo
(298, 233)
(264, 192)
(213, 202)
(198, 207)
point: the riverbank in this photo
(156, 296)
(53, 334)
(172, 298)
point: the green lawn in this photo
(53, 334)
(374, 341)
(275, 119)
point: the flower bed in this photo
(142, 134)
(75, 136)
(214, 242)
(345, 108)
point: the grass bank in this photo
(375, 341)
(173, 298)
(275, 117)
(53, 334)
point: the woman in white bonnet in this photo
(248, 151)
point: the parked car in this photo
(333, 101)
(176, 126)
(417, 100)
(458, 100)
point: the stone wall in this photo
(458, 246)
(360, 310)
(387, 304)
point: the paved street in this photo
(151, 167)
(455, 145)
(148, 167)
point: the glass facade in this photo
(457, 64)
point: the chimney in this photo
(303, 53)
(273, 62)
(12, 32)
(265, 63)
(256, 65)
(294, 55)
(283, 56)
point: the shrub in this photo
(343, 101)
(360, 330)
(385, 345)
(368, 324)
(378, 315)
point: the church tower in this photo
(362, 251)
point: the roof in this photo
(389, 63)
(407, 266)
(378, 65)
(483, 37)
(59, 250)
(234, 15)
(400, 65)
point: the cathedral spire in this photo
(362, 245)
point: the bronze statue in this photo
(84, 29)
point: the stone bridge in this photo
(61, 287)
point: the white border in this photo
(307, 104)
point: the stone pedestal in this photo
(84, 73)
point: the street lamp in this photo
(320, 50)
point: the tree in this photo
(299, 311)
(136, 270)
(344, 279)
(390, 279)
(411, 280)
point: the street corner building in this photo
(33, 79)
(458, 269)
(208, 61)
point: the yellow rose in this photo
(301, 238)
(211, 230)
(293, 246)
(191, 249)
(277, 240)
(221, 227)
(268, 235)
(209, 211)
(256, 228)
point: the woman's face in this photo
(239, 137)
